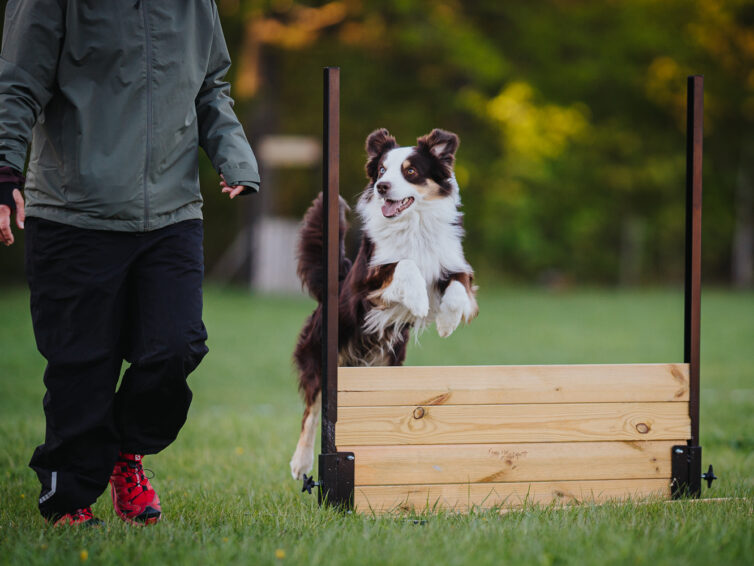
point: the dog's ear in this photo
(378, 142)
(440, 143)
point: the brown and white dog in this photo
(410, 270)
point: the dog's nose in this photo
(383, 188)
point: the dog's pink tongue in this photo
(390, 208)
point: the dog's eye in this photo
(411, 171)
(382, 170)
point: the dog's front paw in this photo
(417, 301)
(447, 321)
(455, 305)
(302, 463)
(408, 288)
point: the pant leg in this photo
(167, 339)
(77, 281)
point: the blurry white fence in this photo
(273, 252)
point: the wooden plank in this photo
(486, 463)
(476, 424)
(460, 497)
(668, 502)
(465, 385)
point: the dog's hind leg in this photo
(303, 458)
(307, 359)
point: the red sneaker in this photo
(82, 517)
(133, 497)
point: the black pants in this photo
(98, 298)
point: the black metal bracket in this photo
(309, 484)
(336, 480)
(709, 476)
(686, 464)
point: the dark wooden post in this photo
(330, 174)
(692, 311)
(336, 469)
(686, 460)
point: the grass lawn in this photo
(228, 496)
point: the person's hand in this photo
(6, 234)
(233, 191)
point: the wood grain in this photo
(464, 424)
(487, 463)
(462, 385)
(460, 497)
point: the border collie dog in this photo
(410, 270)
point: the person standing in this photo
(115, 97)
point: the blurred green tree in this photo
(571, 117)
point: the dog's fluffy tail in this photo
(310, 266)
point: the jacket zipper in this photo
(148, 39)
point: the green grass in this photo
(228, 496)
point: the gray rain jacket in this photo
(116, 96)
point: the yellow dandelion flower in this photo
(280, 554)
(239, 450)
(84, 555)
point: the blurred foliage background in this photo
(571, 115)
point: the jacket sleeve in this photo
(220, 133)
(32, 36)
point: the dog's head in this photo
(404, 178)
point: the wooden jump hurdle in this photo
(483, 436)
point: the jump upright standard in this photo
(482, 436)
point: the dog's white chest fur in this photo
(426, 246)
(429, 234)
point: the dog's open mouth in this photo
(393, 208)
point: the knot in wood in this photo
(418, 412)
(642, 428)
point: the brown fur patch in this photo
(431, 190)
(378, 143)
(379, 279)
